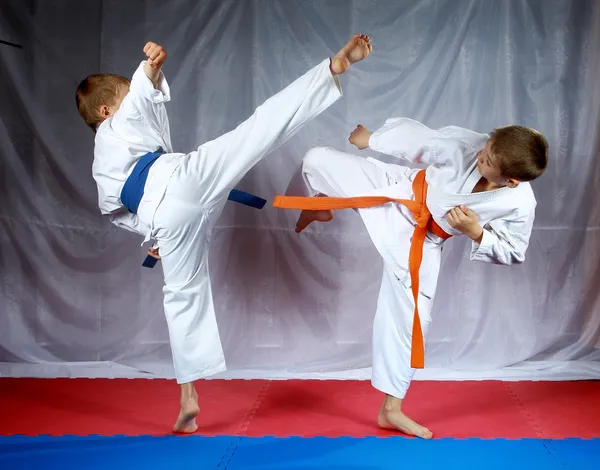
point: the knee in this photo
(314, 157)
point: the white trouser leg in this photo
(194, 199)
(339, 174)
(334, 173)
(195, 342)
(220, 164)
(392, 335)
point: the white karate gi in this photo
(185, 194)
(506, 215)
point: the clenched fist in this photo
(464, 220)
(156, 55)
(360, 137)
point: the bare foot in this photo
(399, 421)
(307, 217)
(358, 48)
(186, 421)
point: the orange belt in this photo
(425, 222)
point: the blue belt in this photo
(133, 191)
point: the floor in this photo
(296, 424)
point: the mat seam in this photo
(546, 440)
(243, 427)
(251, 413)
(553, 451)
(229, 452)
(525, 412)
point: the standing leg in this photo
(189, 409)
(182, 233)
(333, 173)
(220, 164)
(392, 335)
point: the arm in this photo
(156, 58)
(153, 90)
(148, 93)
(148, 81)
(412, 141)
(128, 221)
(406, 139)
(504, 241)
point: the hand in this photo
(154, 253)
(156, 55)
(360, 137)
(464, 220)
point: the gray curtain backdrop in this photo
(74, 299)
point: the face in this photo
(489, 168)
(107, 111)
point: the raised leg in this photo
(330, 172)
(220, 164)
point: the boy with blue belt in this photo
(176, 198)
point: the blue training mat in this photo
(112, 452)
(235, 195)
(294, 453)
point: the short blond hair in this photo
(95, 91)
(522, 152)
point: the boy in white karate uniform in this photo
(176, 199)
(475, 184)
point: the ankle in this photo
(392, 404)
(338, 65)
(331, 67)
(187, 391)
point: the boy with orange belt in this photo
(475, 184)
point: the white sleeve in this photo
(145, 103)
(410, 140)
(142, 87)
(406, 139)
(504, 241)
(128, 221)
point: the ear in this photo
(104, 111)
(512, 183)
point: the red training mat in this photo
(119, 406)
(479, 409)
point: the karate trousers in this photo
(183, 222)
(330, 172)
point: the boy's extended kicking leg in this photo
(220, 164)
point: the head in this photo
(512, 155)
(99, 96)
